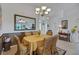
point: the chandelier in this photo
(43, 10)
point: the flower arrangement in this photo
(74, 29)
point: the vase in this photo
(74, 37)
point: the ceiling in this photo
(50, 4)
(57, 7)
(53, 6)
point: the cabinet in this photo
(64, 36)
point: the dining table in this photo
(33, 39)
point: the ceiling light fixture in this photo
(43, 10)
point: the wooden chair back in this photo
(18, 44)
(40, 43)
(47, 46)
(54, 41)
(40, 47)
(49, 32)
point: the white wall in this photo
(60, 12)
(8, 11)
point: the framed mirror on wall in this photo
(24, 23)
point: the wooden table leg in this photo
(31, 49)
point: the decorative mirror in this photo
(24, 23)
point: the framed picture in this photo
(24, 23)
(64, 24)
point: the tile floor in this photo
(71, 48)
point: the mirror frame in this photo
(23, 17)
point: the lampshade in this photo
(42, 11)
(46, 12)
(43, 7)
(36, 12)
(37, 9)
(48, 9)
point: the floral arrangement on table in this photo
(74, 29)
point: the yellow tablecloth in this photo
(33, 39)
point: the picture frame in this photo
(64, 24)
(24, 23)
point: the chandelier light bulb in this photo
(43, 10)
(48, 9)
(37, 9)
(46, 12)
(43, 7)
(36, 12)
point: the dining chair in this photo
(21, 35)
(35, 33)
(8, 48)
(28, 33)
(44, 47)
(49, 32)
(25, 43)
(0, 45)
(21, 49)
(54, 41)
(40, 47)
(47, 46)
(12, 51)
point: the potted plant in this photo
(74, 34)
(74, 29)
